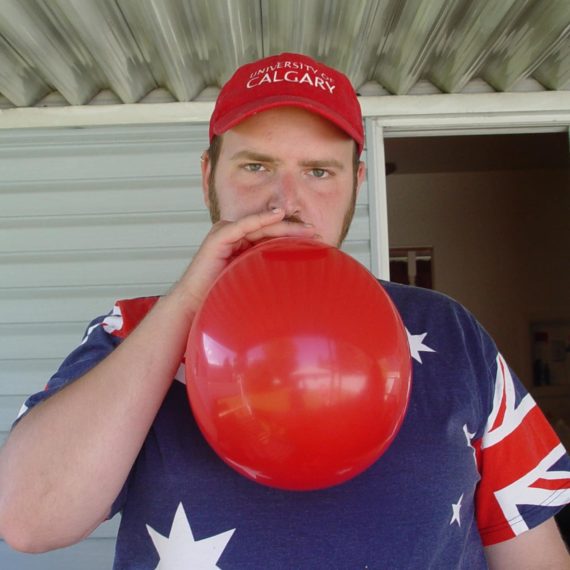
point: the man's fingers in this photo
(235, 231)
(261, 225)
(282, 229)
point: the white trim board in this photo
(399, 115)
(377, 201)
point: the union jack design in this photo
(519, 458)
(124, 318)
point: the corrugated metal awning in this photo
(80, 52)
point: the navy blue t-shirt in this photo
(474, 463)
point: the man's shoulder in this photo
(409, 296)
(424, 310)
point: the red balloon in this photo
(298, 368)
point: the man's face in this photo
(291, 159)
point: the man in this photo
(473, 477)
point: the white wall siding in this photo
(88, 216)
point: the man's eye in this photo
(319, 173)
(254, 167)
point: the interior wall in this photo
(501, 242)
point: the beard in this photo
(215, 214)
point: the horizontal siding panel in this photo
(89, 148)
(24, 305)
(362, 197)
(42, 139)
(81, 197)
(82, 166)
(9, 408)
(39, 340)
(103, 232)
(26, 376)
(62, 154)
(360, 227)
(91, 554)
(360, 250)
(108, 529)
(161, 267)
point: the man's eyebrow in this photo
(325, 163)
(252, 155)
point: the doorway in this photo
(493, 210)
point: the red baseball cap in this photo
(288, 79)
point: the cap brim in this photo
(236, 116)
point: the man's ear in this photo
(360, 175)
(206, 167)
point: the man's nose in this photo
(286, 194)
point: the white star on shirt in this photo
(180, 551)
(469, 436)
(181, 374)
(417, 345)
(456, 507)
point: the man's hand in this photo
(224, 242)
